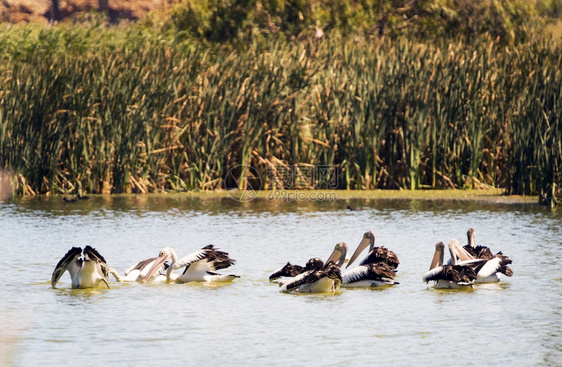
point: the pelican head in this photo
(367, 240)
(164, 255)
(288, 270)
(338, 255)
(470, 236)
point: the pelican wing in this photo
(57, 273)
(484, 252)
(446, 272)
(356, 274)
(310, 276)
(140, 266)
(485, 268)
(69, 262)
(218, 259)
(91, 253)
(494, 265)
(454, 273)
(331, 271)
(433, 274)
(69, 257)
(479, 252)
(506, 271)
(381, 254)
(199, 267)
(190, 259)
(369, 272)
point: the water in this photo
(248, 322)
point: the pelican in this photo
(288, 270)
(376, 254)
(366, 275)
(200, 266)
(477, 252)
(317, 277)
(87, 272)
(448, 276)
(482, 252)
(138, 272)
(486, 269)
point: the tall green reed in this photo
(134, 114)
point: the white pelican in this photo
(486, 269)
(373, 274)
(200, 266)
(317, 277)
(448, 276)
(288, 270)
(87, 272)
(376, 254)
(138, 272)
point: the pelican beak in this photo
(454, 246)
(457, 251)
(462, 253)
(155, 267)
(338, 255)
(438, 255)
(362, 245)
(435, 260)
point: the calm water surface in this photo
(516, 322)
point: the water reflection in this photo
(140, 205)
(316, 297)
(499, 286)
(79, 297)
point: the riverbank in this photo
(487, 196)
(353, 198)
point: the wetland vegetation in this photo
(409, 96)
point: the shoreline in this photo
(489, 195)
(486, 196)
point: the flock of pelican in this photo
(88, 269)
(468, 264)
(377, 269)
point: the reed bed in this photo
(145, 115)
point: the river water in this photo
(247, 322)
